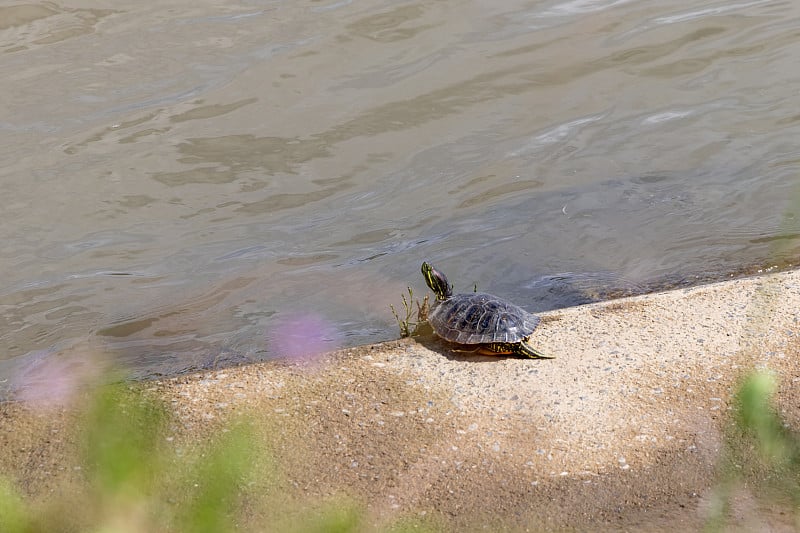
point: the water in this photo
(183, 182)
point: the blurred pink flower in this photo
(51, 379)
(303, 336)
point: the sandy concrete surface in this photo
(622, 431)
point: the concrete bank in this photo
(621, 430)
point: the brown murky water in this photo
(186, 183)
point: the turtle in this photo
(495, 325)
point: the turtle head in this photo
(437, 281)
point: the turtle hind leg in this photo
(497, 348)
(520, 349)
(523, 349)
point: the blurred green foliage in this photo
(219, 474)
(760, 452)
(123, 442)
(759, 420)
(14, 515)
(136, 478)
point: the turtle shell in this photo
(477, 318)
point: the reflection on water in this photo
(183, 180)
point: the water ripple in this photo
(721, 9)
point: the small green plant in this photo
(406, 323)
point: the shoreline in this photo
(622, 430)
